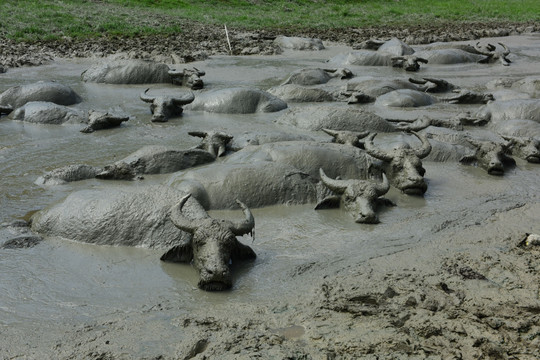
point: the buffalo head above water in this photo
(212, 246)
(359, 197)
(490, 155)
(403, 164)
(164, 107)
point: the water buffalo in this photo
(449, 56)
(298, 43)
(68, 174)
(212, 246)
(47, 91)
(363, 58)
(526, 148)
(45, 112)
(187, 77)
(316, 76)
(237, 101)
(154, 159)
(359, 197)
(151, 217)
(492, 54)
(490, 155)
(347, 137)
(98, 120)
(127, 72)
(403, 164)
(164, 107)
(214, 142)
(408, 62)
(301, 94)
(415, 98)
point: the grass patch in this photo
(52, 19)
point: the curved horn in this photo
(201, 134)
(506, 49)
(338, 186)
(374, 151)
(199, 72)
(422, 60)
(330, 132)
(473, 142)
(246, 226)
(382, 187)
(425, 149)
(512, 139)
(186, 99)
(480, 50)
(179, 220)
(174, 72)
(146, 98)
(418, 81)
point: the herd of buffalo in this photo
(353, 170)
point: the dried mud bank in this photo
(199, 41)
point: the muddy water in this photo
(57, 284)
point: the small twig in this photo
(228, 41)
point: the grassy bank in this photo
(30, 20)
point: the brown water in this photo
(58, 284)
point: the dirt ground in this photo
(199, 41)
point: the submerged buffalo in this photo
(403, 164)
(214, 142)
(164, 107)
(46, 91)
(212, 246)
(188, 77)
(491, 156)
(527, 148)
(141, 217)
(360, 198)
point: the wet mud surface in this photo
(444, 276)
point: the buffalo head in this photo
(403, 164)
(347, 137)
(188, 77)
(526, 148)
(359, 197)
(408, 62)
(164, 107)
(215, 142)
(490, 155)
(212, 246)
(492, 54)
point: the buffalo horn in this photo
(179, 220)
(186, 99)
(374, 151)
(383, 187)
(425, 149)
(146, 98)
(246, 226)
(201, 134)
(506, 50)
(337, 186)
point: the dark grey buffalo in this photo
(214, 142)
(527, 148)
(237, 101)
(403, 164)
(212, 247)
(347, 137)
(316, 76)
(492, 54)
(127, 72)
(359, 197)
(154, 159)
(46, 112)
(490, 155)
(46, 91)
(408, 62)
(191, 78)
(164, 107)
(141, 217)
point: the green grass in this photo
(29, 20)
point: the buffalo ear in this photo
(242, 252)
(329, 202)
(180, 253)
(467, 159)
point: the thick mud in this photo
(444, 276)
